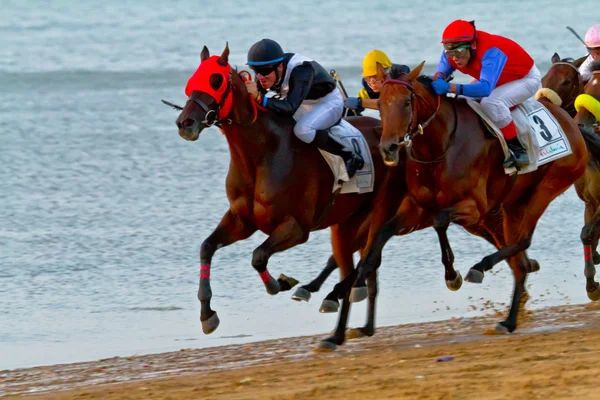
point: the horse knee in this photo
(587, 235)
(524, 243)
(260, 257)
(441, 220)
(207, 249)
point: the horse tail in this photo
(592, 142)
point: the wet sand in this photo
(553, 355)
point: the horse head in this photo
(564, 79)
(211, 91)
(588, 104)
(404, 104)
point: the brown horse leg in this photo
(441, 223)
(288, 234)
(343, 242)
(520, 222)
(589, 235)
(303, 292)
(410, 216)
(369, 328)
(231, 229)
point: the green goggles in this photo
(457, 51)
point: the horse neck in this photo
(249, 139)
(248, 145)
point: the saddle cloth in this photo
(539, 132)
(353, 139)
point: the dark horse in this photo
(275, 183)
(563, 80)
(455, 173)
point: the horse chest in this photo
(421, 185)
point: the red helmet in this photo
(459, 31)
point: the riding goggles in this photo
(263, 70)
(457, 51)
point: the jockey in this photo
(305, 91)
(592, 42)
(505, 76)
(374, 61)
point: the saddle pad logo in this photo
(550, 137)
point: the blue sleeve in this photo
(444, 66)
(492, 64)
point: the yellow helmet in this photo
(370, 62)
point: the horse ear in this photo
(224, 59)
(555, 58)
(205, 54)
(414, 74)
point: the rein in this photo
(417, 128)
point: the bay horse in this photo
(564, 80)
(283, 187)
(455, 173)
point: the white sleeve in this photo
(584, 69)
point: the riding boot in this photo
(520, 158)
(324, 141)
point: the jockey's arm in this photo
(444, 67)
(366, 101)
(301, 79)
(492, 64)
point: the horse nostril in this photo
(188, 122)
(393, 148)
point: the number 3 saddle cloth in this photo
(539, 132)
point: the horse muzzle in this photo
(189, 129)
(390, 153)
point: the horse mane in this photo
(426, 81)
(595, 66)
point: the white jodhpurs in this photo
(497, 105)
(318, 114)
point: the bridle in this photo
(570, 107)
(213, 117)
(417, 128)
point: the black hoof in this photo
(534, 266)
(329, 306)
(504, 327)
(594, 295)
(357, 333)
(456, 283)
(301, 294)
(211, 324)
(474, 276)
(358, 294)
(286, 283)
(327, 345)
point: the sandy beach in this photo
(553, 355)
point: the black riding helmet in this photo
(264, 56)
